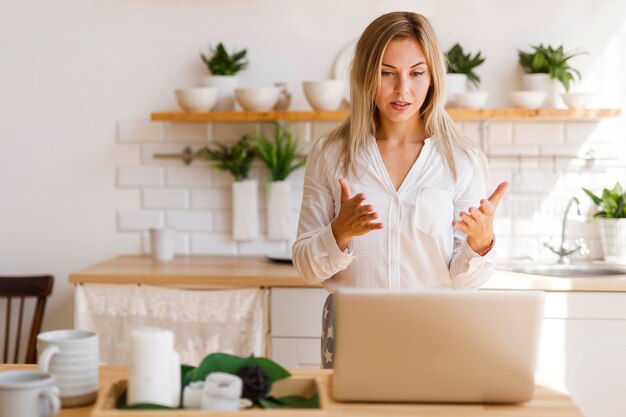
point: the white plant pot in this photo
(245, 210)
(613, 238)
(278, 210)
(552, 87)
(226, 90)
(455, 84)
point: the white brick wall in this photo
(164, 198)
(197, 199)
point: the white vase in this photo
(278, 210)
(226, 86)
(552, 87)
(455, 84)
(245, 210)
(613, 238)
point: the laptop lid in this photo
(444, 346)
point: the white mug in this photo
(162, 242)
(72, 356)
(28, 394)
(154, 374)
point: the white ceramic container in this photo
(196, 99)
(72, 356)
(577, 100)
(226, 86)
(527, 99)
(257, 98)
(325, 95)
(472, 99)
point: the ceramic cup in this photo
(72, 356)
(28, 394)
(154, 373)
(162, 243)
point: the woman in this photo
(417, 220)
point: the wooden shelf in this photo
(251, 116)
(459, 114)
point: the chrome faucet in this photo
(564, 249)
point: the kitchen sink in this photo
(564, 270)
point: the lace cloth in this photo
(203, 321)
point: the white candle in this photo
(154, 375)
(192, 395)
(221, 392)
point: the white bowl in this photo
(325, 95)
(196, 99)
(577, 100)
(257, 98)
(471, 99)
(527, 99)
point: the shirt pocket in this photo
(434, 211)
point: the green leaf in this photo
(457, 62)
(280, 154)
(291, 401)
(223, 362)
(612, 204)
(597, 200)
(271, 368)
(237, 159)
(121, 405)
(221, 63)
(185, 374)
(548, 60)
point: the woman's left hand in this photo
(477, 223)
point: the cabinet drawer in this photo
(297, 312)
(297, 352)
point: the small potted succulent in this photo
(280, 155)
(224, 68)
(237, 160)
(611, 216)
(547, 69)
(460, 69)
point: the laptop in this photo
(442, 347)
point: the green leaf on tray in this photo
(121, 405)
(223, 362)
(290, 401)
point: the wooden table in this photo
(547, 402)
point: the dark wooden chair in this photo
(22, 288)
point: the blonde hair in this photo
(362, 121)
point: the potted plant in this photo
(237, 160)
(611, 217)
(460, 69)
(547, 69)
(281, 158)
(224, 67)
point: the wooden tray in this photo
(302, 386)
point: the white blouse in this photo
(417, 247)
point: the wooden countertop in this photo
(256, 271)
(252, 271)
(549, 400)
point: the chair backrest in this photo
(24, 287)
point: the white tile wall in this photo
(164, 198)
(197, 199)
(139, 176)
(189, 220)
(213, 244)
(138, 221)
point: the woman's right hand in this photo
(354, 219)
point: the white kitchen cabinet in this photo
(296, 326)
(584, 346)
